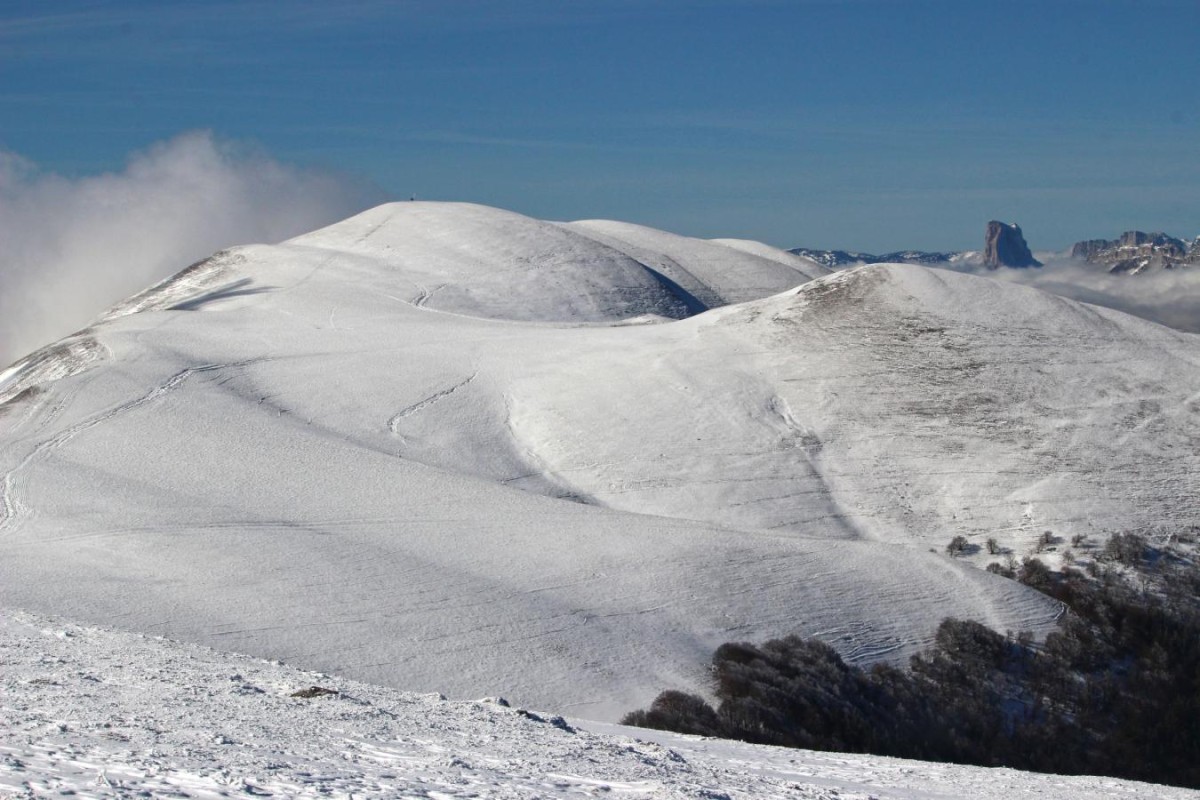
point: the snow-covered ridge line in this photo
(97, 713)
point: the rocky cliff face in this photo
(1136, 252)
(1004, 246)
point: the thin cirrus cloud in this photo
(74, 246)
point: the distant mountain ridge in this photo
(1135, 252)
(1132, 253)
(836, 259)
(1003, 246)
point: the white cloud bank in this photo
(69, 248)
(1169, 297)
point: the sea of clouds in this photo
(71, 247)
(1170, 297)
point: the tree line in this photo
(1115, 690)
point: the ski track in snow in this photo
(11, 484)
(95, 713)
(408, 411)
(426, 295)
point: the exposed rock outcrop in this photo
(1004, 246)
(1136, 252)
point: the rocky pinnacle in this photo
(1004, 246)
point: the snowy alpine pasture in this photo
(447, 448)
(94, 713)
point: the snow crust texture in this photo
(93, 713)
(450, 448)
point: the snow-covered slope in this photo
(807, 266)
(311, 451)
(710, 273)
(486, 262)
(891, 402)
(96, 714)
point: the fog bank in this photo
(74, 246)
(1170, 297)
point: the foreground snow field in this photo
(94, 713)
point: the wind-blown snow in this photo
(71, 246)
(449, 448)
(96, 714)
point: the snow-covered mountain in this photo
(450, 448)
(705, 270)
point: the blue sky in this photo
(870, 125)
